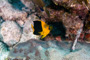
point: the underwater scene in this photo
(44, 29)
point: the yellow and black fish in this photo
(41, 28)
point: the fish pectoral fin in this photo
(40, 33)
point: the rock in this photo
(47, 38)
(21, 23)
(10, 32)
(82, 36)
(69, 21)
(54, 54)
(29, 4)
(87, 37)
(23, 51)
(49, 50)
(31, 17)
(72, 23)
(18, 10)
(81, 55)
(58, 38)
(8, 12)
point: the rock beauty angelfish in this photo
(41, 28)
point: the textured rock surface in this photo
(10, 32)
(9, 13)
(28, 3)
(49, 50)
(73, 22)
(17, 10)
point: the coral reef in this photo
(65, 18)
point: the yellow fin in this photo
(43, 35)
(32, 27)
(45, 29)
(39, 33)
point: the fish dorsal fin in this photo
(32, 27)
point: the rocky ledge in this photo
(49, 50)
